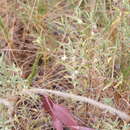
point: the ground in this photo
(74, 46)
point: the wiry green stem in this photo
(34, 68)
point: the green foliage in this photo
(10, 80)
(90, 38)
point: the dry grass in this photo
(80, 47)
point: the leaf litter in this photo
(23, 54)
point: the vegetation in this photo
(73, 46)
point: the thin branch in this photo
(112, 110)
(9, 105)
(5, 102)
